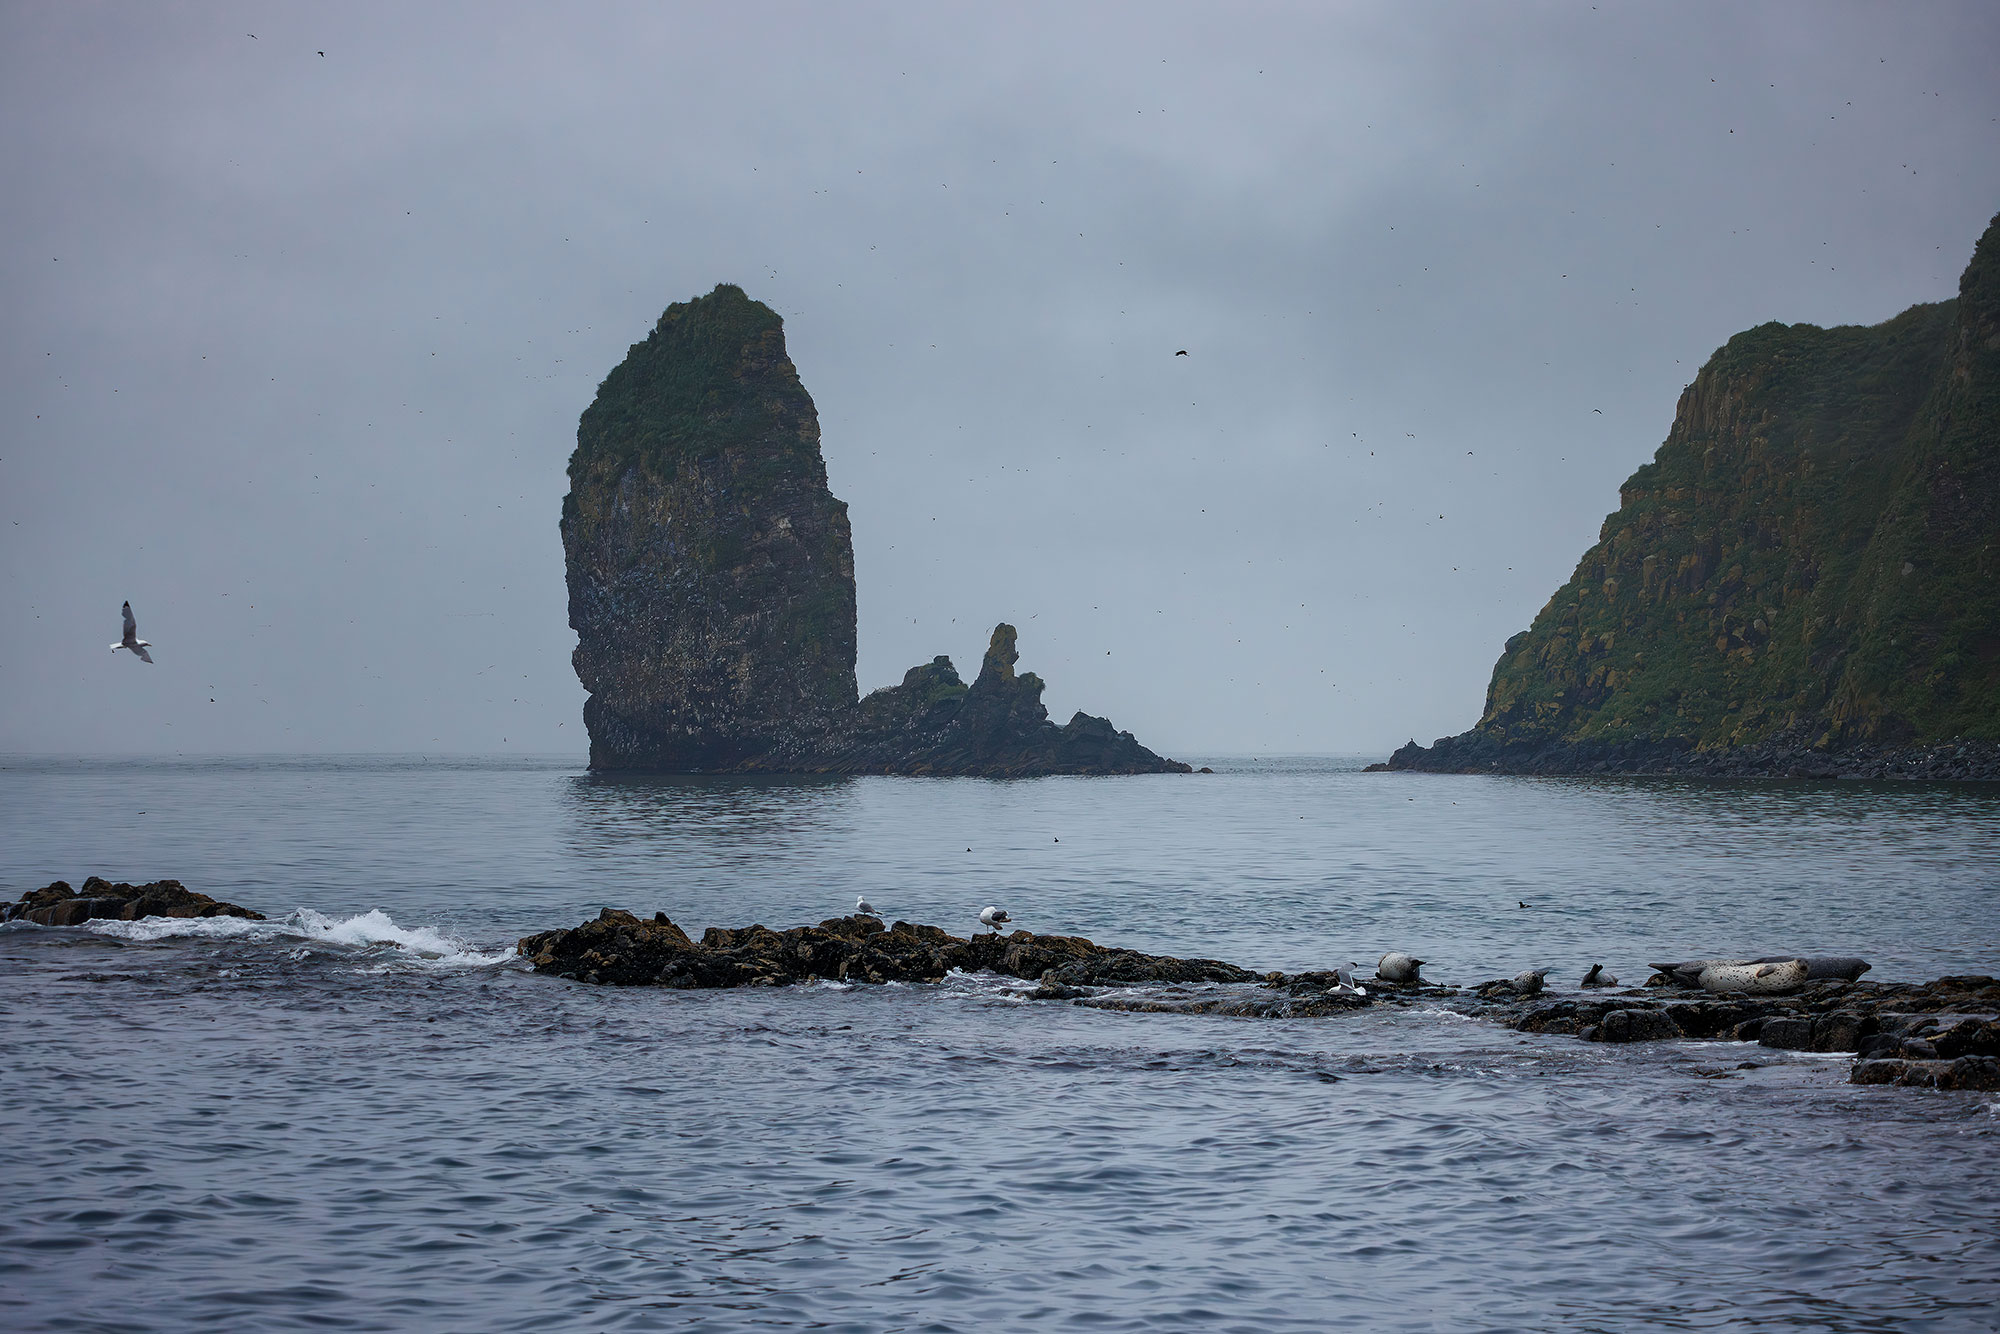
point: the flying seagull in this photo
(993, 917)
(132, 640)
(864, 907)
(1181, 353)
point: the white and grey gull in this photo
(995, 918)
(132, 640)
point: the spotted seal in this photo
(1767, 979)
(1394, 967)
(1529, 983)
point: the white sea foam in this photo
(371, 931)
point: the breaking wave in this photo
(373, 932)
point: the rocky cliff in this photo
(711, 586)
(1804, 580)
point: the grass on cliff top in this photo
(712, 374)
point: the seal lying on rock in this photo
(1597, 977)
(1765, 979)
(1842, 969)
(1393, 967)
(1529, 983)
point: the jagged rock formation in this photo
(620, 949)
(997, 727)
(1805, 579)
(60, 905)
(711, 586)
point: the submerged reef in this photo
(711, 586)
(1804, 582)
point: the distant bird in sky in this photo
(994, 917)
(864, 907)
(132, 640)
(1598, 411)
(1181, 353)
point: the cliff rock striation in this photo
(711, 586)
(1805, 580)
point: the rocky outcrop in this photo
(1940, 1034)
(60, 905)
(710, 569)
(1804, 582)
(997, 727)
(711, 586)
(621, 949)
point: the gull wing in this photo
(131, 626)
(143, 655)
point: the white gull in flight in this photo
(132, 640)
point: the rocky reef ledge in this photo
(621, 949)
(60, 905)
(1941, 1034)
(1784, 756)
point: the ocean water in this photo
(365, 1114)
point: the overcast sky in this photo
(293, 345)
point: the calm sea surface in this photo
(365, 1115)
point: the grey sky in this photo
(292, 347)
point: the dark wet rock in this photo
(1951, 1017)
(1981, 1073)
(1635, 1025)
(1843, 1030)
(1786, 1034)
(621, 949)
(59, 905)
(1718, 1018)
(1236, 1005)
(1968, 1037)
(711, 586)
(1053, 989)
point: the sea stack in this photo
(711, 570)
(711, 586)
(1804, 582)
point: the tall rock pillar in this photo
(710, 569)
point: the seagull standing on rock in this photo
(994, 917)
(864, 907)
(132, 640)
(1348, 986)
